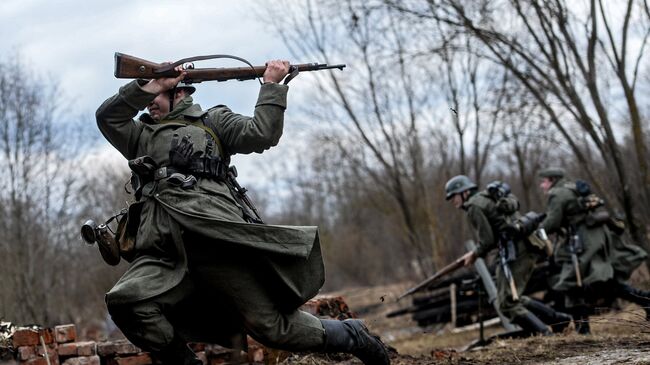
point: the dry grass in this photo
(619, 337)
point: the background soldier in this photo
(592, 260)
(491, 214)
(198, 263)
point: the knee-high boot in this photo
(351, 336)
(557, 320)
(177, 353)
(531, 324)
(581, 319)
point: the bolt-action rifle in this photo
(442, 272)
(129, 67)
(507, 254)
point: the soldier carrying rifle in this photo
(493, 213)
(203, 266)
(592, 258)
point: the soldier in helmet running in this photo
(204, 267)
(593, 261)
(491, 213)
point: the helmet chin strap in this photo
(171, 99)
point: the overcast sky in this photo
(74, 41)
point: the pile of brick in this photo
(328, 307)
(59, 345)
(53, 346)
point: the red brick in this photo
(85, 348)
(140, 359)
(25, 337)
(54, 360)
(121, 347)
(26, 352)
(30, 337)
(65, 333)
(68, 349)
(85, 360)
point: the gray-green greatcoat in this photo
(290, 255)
(488, 222)
(564, 210)
(625, 256)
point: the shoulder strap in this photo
(204, 125)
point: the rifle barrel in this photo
(442, 272)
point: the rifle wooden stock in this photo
(576, 267)
(513, 289)
(442, 272)
(129, 67)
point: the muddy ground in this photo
(619, 337)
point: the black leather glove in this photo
(180, 153)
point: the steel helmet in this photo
(458, 184)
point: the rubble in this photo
(31, 345)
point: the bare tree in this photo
(43, 264)
(377, 103)
(573, 61)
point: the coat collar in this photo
(185, 108)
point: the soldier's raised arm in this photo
(243, 134)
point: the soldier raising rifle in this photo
(203, 267)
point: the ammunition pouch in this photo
(185, 160)
(212, 167)
(145, 170)
(142, 172)
(539, 240)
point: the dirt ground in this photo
(619, 337)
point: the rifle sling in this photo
(171, 66)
